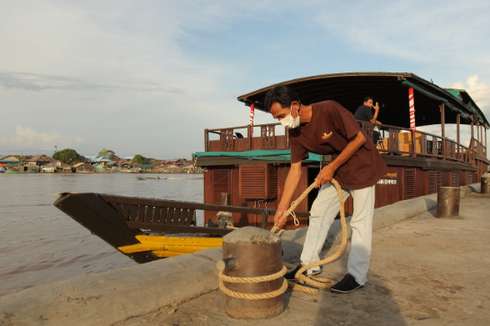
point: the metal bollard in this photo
(252, 252)
(448, 202)
(485, 184)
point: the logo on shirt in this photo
(325, 135)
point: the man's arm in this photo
(376, 111)
(326, 174)
(292, 181)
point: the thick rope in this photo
(295, 204)
(316, 281)
(250, 280)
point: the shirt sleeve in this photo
(298, 151)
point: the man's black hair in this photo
(284, 95)
(367, 98)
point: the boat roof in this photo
(389, 89)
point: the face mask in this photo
(289, 121)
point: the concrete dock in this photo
(424, 271)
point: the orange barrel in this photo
(485, 184)
(448, 202)
(252, 252)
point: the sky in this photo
(147, 77)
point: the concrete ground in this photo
(424, 271)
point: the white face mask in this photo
(289, 121)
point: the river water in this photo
(39, 244)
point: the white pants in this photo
(323, 212)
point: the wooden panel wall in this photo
(398, 184)
(388, 188)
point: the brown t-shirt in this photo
(328, 133)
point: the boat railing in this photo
(478, 147)
(233, 139)
(390, 140)
(395, 140)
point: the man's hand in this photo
(376, 107)
(277, 218)
(325, 175)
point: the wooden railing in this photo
(233, 139)
(478, 146)
(400, 141)
(175, 216)
(392, 140)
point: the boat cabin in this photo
(247, 165)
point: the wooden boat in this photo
(134, 225)
(252, 169)
(245, 176)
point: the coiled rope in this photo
(249, 280)
(313, 281)
(316, 282)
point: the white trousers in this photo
(323, 212)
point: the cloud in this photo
(40, 82)
(479, 92)
(435, 31)
(26, 137)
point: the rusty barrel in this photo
(485, 183)
(448, 202)
(252, 252)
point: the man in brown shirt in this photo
(328, 128)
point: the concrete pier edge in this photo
(111, 297)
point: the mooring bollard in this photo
(251, 254)
(448, 202)
(485, 184)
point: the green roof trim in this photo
(428, 93)
(260, 154)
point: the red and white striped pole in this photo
(252, 110)
(412, 108)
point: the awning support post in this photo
(443, 129)
(458, 139)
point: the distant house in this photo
(56, 167)
(34, 163)
(96, 159)
(40, 160)
(99, 167)
(146, 166)
(83, 168)
(5, 160)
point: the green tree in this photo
(67, 156)
(138, 159)
(107, 153)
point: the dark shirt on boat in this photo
(364, 113)
(328, 133)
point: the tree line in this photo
(70, 156)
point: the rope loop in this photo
(252, 280)
(316, 281)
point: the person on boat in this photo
(327, 128)
(365, 113)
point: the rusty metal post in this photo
(448, 202)
(485, 183)
(252, 252)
